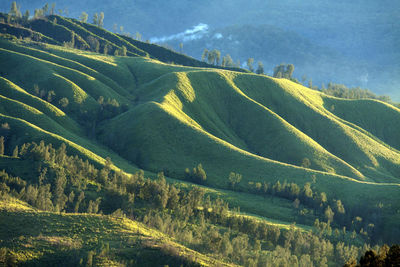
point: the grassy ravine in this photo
(34, 237)
(151, 115)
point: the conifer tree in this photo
(2, 145)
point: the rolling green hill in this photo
(142, 113)
(73, 239)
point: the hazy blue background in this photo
(352, 42)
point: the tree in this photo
(123, 51)
(60, 199)
(340, 207)
(227, 61)
(106, 48)
(306, 163)
(217, 56)
(45, 9)
(249, 63)
(93, 43)
(279, 71)
(198, 175)
(329, 214)
(260, 68)
(289, 71)
(234, 179)
(15, 152)
(38, 13)
(26, 16)
(204, 56)
(210, 57)
(15, 10)
(101, 20)
(84, 17)
(81, 197)
(53, 8)
(50, 95)
(63, 102)
(96, 19)
(1, 145)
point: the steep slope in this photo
(47, 238)
(160, 117)
(264, 117)
(58, 30)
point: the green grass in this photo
(179, 116)
(46, 238)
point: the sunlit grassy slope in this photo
(38, 238)
(177, 117)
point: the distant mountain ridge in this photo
(362, 34)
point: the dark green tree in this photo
(260, 68)
(26, 15)
(289, 71)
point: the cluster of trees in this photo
(70, 184)
(325, 208)
(383, 256)
(333, 89)
(284, 71)
(340, 90)
(213, 57)
(46, 10)
(197, 175)
(98, 20)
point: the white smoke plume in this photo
(194, 33)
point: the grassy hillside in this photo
(32, 237)
(270, 147)
(59, 30)
(176, 117)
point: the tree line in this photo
(66, 183)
